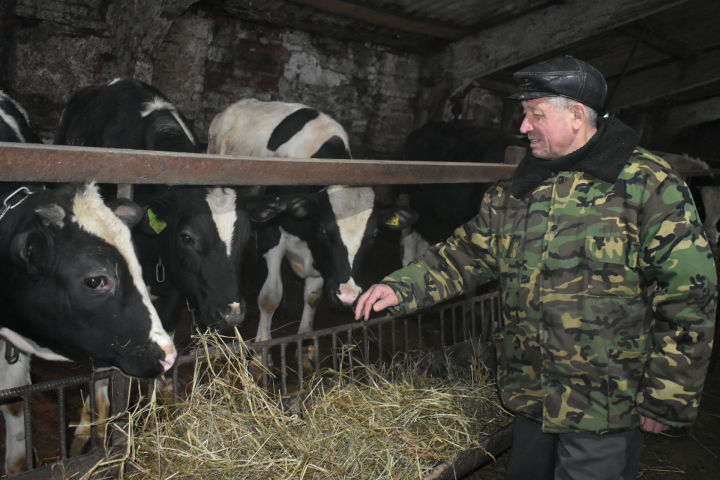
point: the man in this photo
(607, 283)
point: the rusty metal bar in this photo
(54, 163)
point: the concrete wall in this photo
(203, 61)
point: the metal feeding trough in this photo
(443, 326)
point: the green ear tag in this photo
(155, 223)
(394, 221)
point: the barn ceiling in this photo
(661, 57)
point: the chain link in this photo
(14, 199)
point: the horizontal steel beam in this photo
(52, 163)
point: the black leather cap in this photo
(564, 76)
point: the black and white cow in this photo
(190, 239)
(443, 207)
(193, 240)
(195, 260)
(14, 122)
(125, 113)
(324, 233)
(72, 289)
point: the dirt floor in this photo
(692, 454)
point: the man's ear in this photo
(128, 211)
(579, 114)
(397, 218)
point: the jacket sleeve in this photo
(449, 267)
(679, 267)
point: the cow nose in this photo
(349, 292)
(170, 356)
(234, 314)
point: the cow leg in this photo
(312, 295)
(82, 433)
(14, 375)
(270, 293)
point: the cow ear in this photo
(33, 251)
(155, 217)
(397, 218)
(128, 211)
(302, 206)
(151, 222)
(263, 208)
(51, 214)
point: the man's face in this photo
(550, 130)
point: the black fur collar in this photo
(603, 157)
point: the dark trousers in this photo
(578, 456)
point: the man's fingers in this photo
(652, 426)
(377, 297)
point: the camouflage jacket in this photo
(608, 291)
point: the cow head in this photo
(342, 223)
(199, 236)
(75, 286)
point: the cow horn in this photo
(51, 214)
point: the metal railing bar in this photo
(62, 422)
(25, 162)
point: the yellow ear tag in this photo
(155, 223)
(394, 221)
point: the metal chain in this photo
(11, 201)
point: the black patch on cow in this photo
(290, 126)
(332, 148)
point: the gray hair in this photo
(563, 103)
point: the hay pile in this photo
(357, 423)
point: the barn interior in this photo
(383, 68)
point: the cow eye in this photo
(187, 239)
(97, 283)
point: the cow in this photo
(72, 289)
(195, 260)
(441, 208)
(324, 232)
(190, 239)
(14, 122)
(125, 113)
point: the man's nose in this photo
(525, 126)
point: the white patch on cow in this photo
(10, 120)
(93, 216)
(352, 207)
(312, 137)
(222, 207)
(29, 346)
(245, 127)
(114, 81)
(160, 104)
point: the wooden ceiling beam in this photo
(665, 80)
(677, 118)
(385, 19)
(538, 33)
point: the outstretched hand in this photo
(377, 297)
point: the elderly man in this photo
(607, 283)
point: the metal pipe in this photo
(54, 163)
